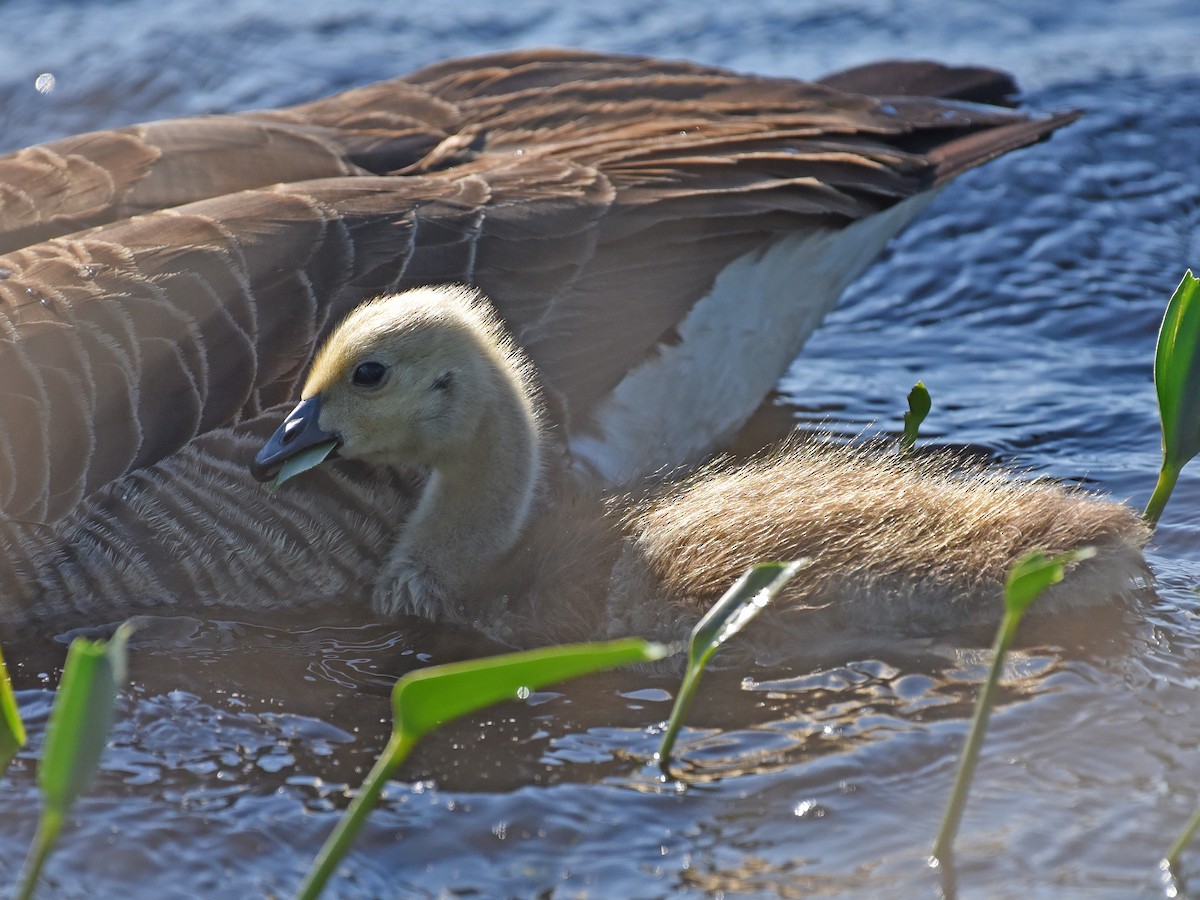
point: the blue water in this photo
(1027, 298)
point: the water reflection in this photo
(233, 726)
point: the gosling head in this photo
(405, 379)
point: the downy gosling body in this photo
(501, 538)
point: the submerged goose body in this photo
(637, 224)
(499, 538)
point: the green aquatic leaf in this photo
(1032, 574)
(1177, 371)
(424, 699)
(12, 730)
(306, 459)
(919, 405)
(81, 718)
(76, 736)
(749, 595)
(1177, 383)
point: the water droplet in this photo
(87, 271)
(44, 83)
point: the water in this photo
(1027, 298)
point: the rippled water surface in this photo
(1027, 298)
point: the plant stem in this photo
(47, 833)
(338, 842)
(970, 755)
(687, 690)
(1181, 842)
(1167, 476)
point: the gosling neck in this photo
(477, 501)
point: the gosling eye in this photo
(443, 382)
(369, 374)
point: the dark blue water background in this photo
(1027, 298)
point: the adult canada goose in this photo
(637, 224)
(430, 379)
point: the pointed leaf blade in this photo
(76, 736)
(424, 699)
(748, 596)
(919, 405)
(12, 729)
(1032, 574)
(1177, 373)
(81, 718)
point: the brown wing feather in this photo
(593, 197)
(198, 316)
(922, 78)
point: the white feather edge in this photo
(736, 342)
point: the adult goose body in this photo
(659, 238)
